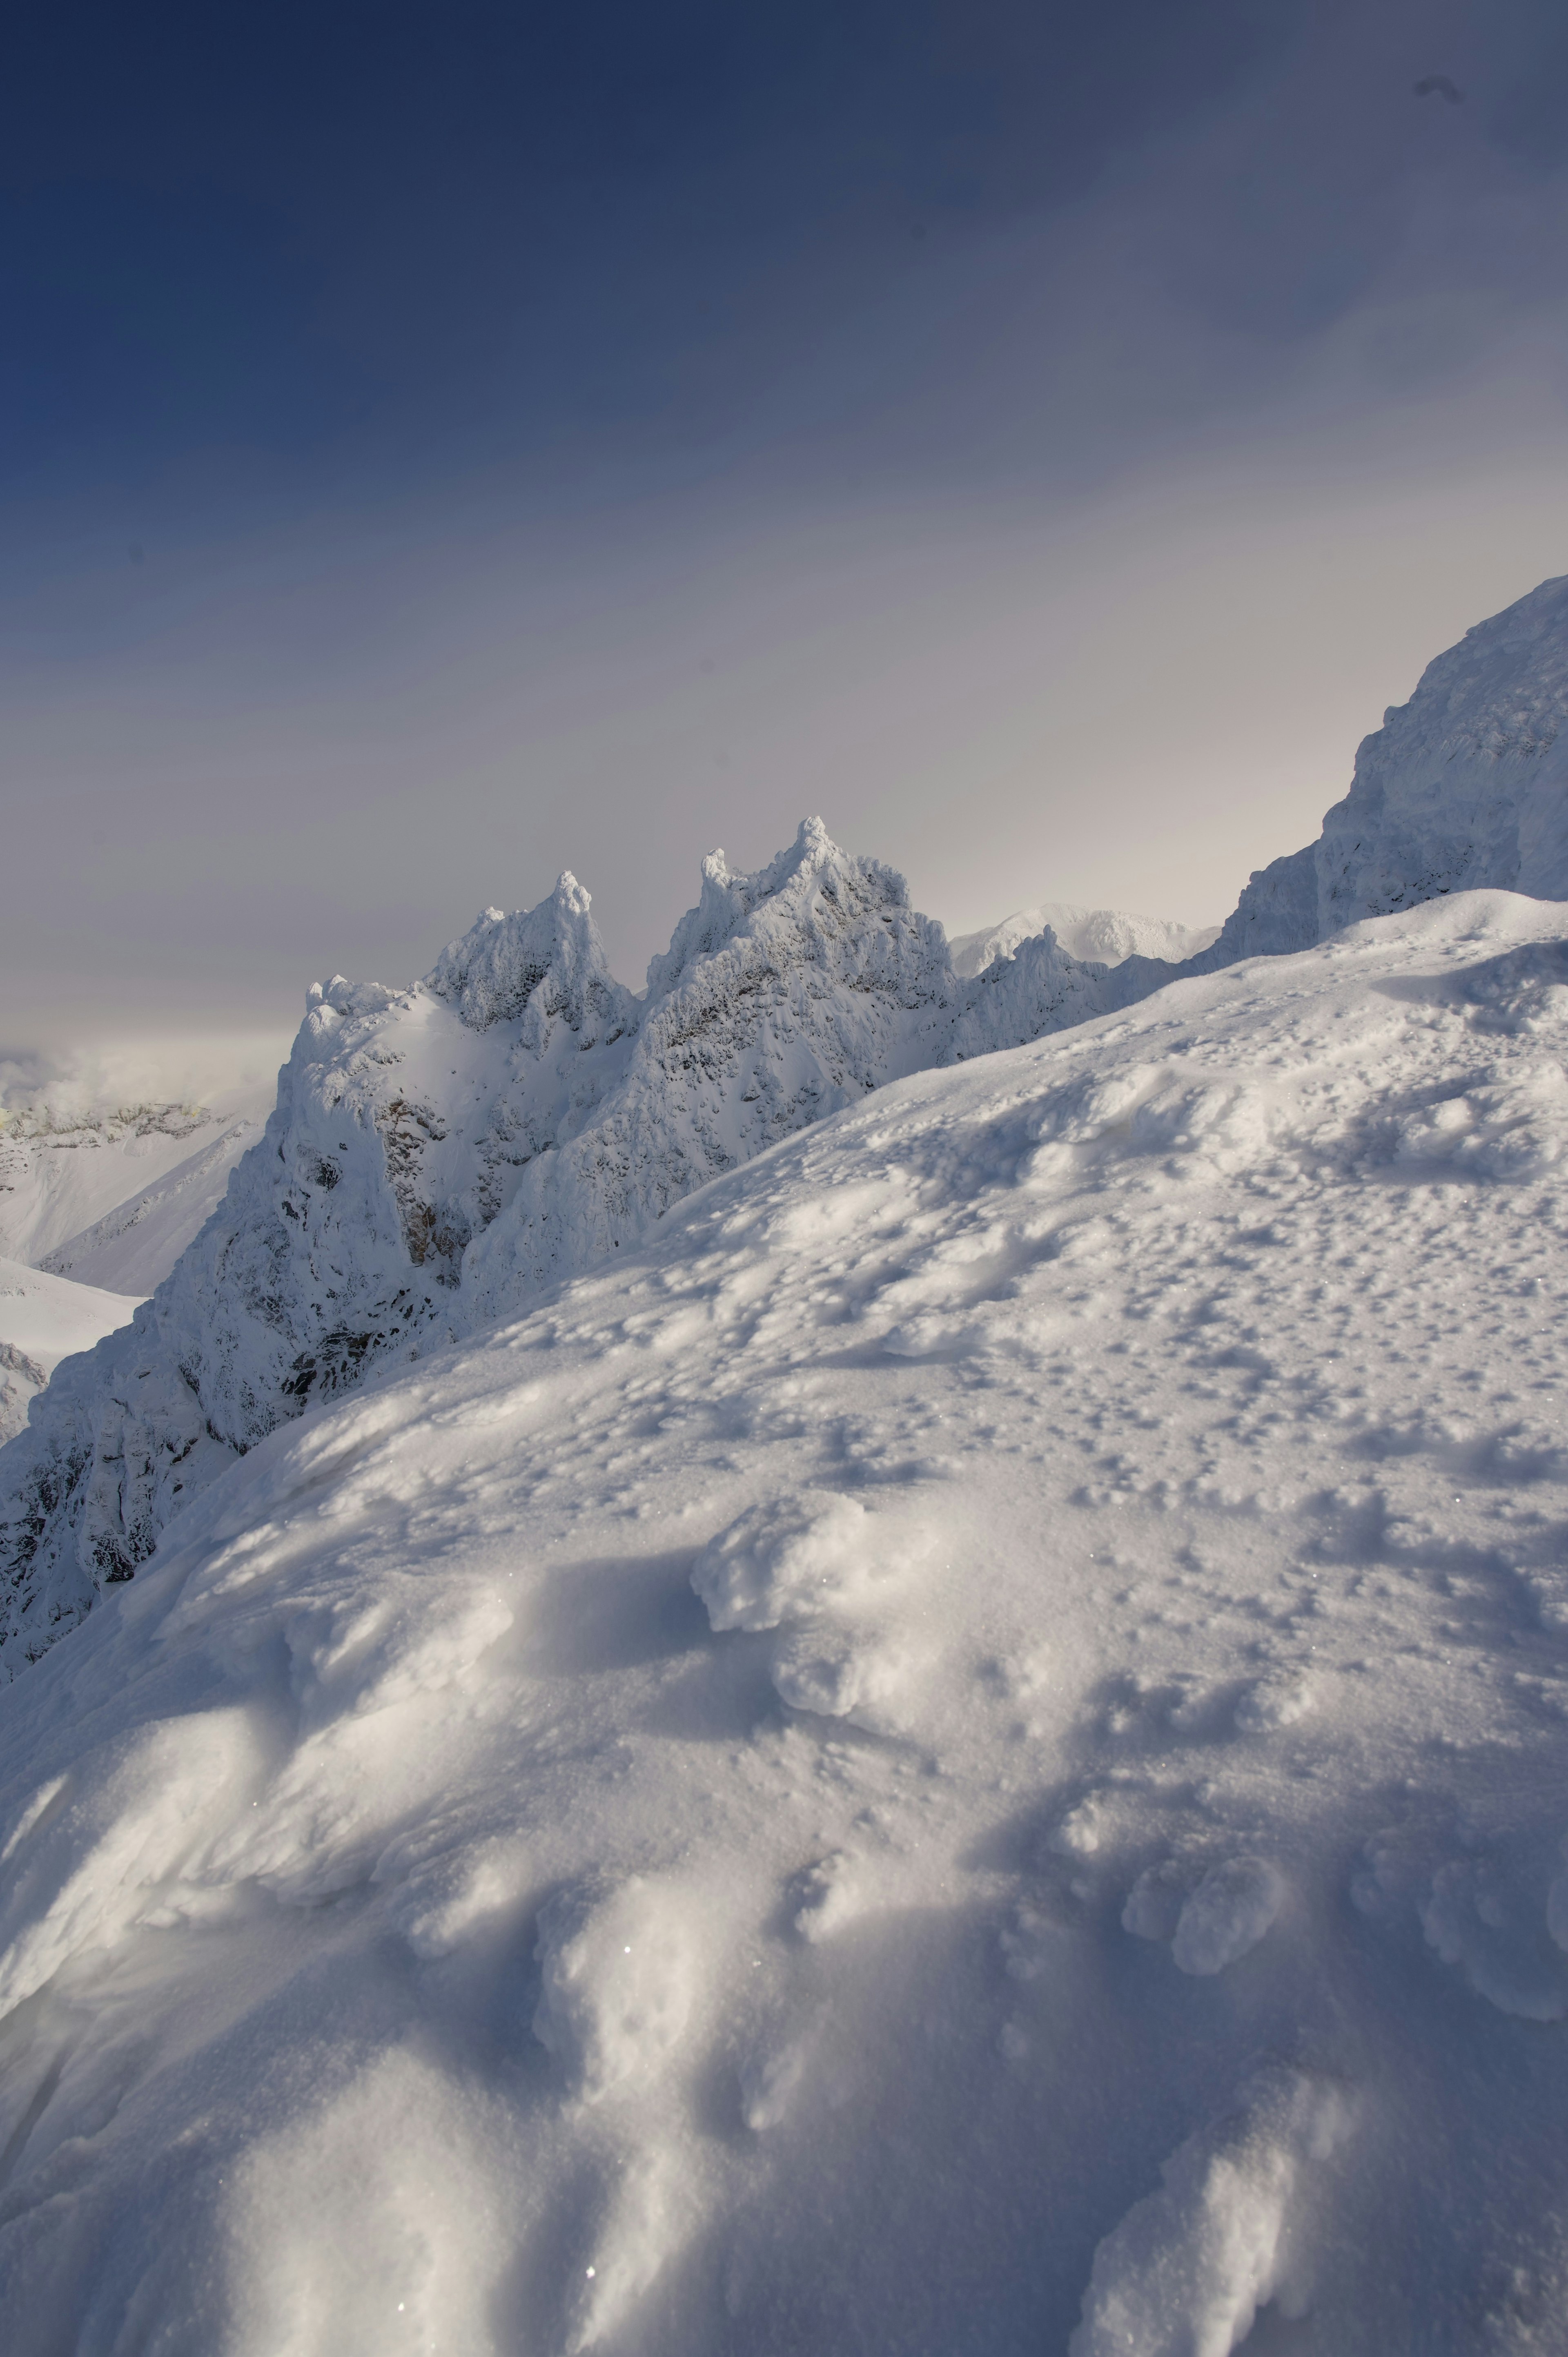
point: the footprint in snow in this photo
(1500, 1917)
(793, 1558)
(840, 1673)
(827, 1896)
(1281, 1699)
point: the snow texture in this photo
(444, 1904)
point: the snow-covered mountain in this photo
(1463, 786)
(963, 1750)
(438, 1154)
(1103, 935)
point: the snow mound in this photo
(1187, 2269)
(1104, 935)
(443, 1903)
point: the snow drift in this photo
(963, 1750)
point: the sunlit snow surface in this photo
(969, 1754)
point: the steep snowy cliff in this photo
(1463, 787)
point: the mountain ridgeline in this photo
(440, 1154)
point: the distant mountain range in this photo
(1106, 935)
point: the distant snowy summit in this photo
(1105, 936)
(441, 1155)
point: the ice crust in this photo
(964, 1749)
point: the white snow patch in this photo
(1187, 2269)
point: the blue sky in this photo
(437, 446)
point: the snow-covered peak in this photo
(1464, 786)
(777, 899)
(549, 958)
(439, 1154)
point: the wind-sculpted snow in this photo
(965, 1751)
(438, 1154)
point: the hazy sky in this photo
(443, 443)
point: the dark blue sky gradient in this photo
(332, 230)
(388, 386)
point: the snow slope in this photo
(1105, 935)
(969, 1751)
(112, 1196)
(438, 1154)
(43, 1319)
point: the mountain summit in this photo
(1463, 787)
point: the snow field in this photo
(43, 1319)
(967, 1753)
(111, 1198)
